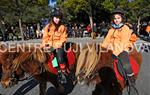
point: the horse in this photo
(95, 65)
(34, 62)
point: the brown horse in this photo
(32, 61)
(93, 64)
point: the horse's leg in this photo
(58, 86)
(42, 87)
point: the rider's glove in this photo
(51, 49)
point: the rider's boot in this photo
(64, 68)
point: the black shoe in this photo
(131, 86)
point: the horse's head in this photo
(15, 64)
(8, 75)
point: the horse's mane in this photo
(35, 54)
(22, 53)
(87, 62)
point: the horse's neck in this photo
(31, 67)
(106, 59)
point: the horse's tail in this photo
(87, 62)
(39, 55)
(93, 61)
(81, 61)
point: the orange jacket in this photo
(54, 38)
(118, 40)
(148, 29)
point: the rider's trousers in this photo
(60, 55)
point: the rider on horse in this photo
(54, 36)
(118, 38)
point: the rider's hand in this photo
(51, 49)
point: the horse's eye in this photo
(5, 67)
(7, 59)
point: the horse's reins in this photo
(90, 77)
(31, 75)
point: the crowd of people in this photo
(35, 31)
(82, 30)
(8, 33)
(74, 30)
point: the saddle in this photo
(119, 69)
(70, 59)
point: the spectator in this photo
(88, 28)
(148, 28)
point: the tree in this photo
(140, 9)
(75, 6)
(43, 2)
(18, 11)
(133, 8)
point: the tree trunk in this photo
(20, 26)
(91, 23)
(2, 29)
(91, 17)
(138, 25)
(38, 26)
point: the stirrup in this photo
(61, 77)
(66, 71)
(131, 80)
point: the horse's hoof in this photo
(61, 89)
